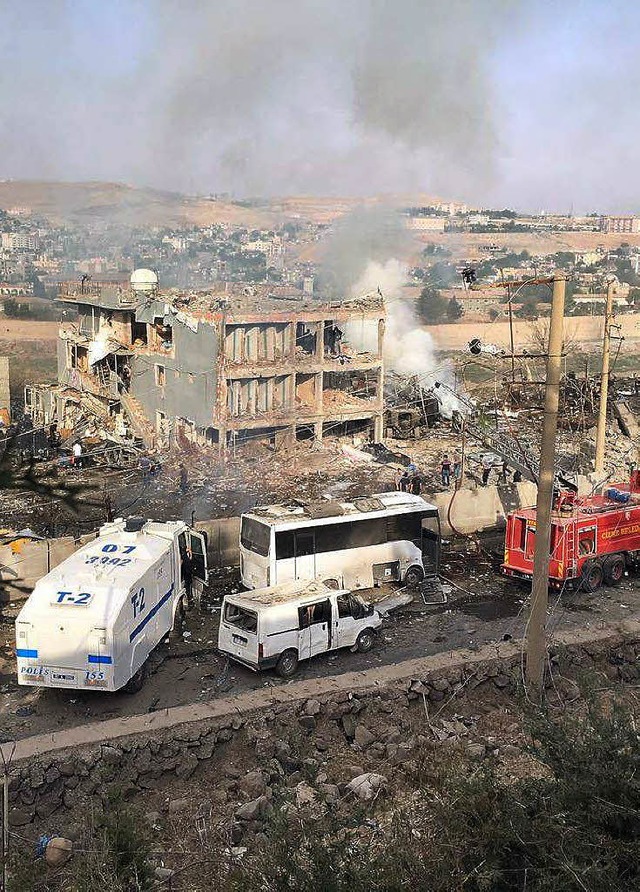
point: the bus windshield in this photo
(255, 536)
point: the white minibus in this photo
(392, 536)
(279, 626)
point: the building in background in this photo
(217, 367)
(620, 224)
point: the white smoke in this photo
(408, 348)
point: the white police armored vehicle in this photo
(92, 622)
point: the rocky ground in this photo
(210, 793)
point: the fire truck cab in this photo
(594, 540)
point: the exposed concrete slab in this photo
(378, 677)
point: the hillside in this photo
(117, 203)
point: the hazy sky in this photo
(528, 103)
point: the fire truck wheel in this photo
(592, 576)
(613, 568)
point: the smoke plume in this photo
(253, 97)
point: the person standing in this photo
(184, 479)
(187, 574)
(457, 467)
(487, 464)
(77, 455)
(445, 470)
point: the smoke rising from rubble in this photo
(254, 97)
(409, 349)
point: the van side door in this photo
(347, 626)
(315, 621)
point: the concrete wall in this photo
(223, 535)
(473, 510)
(21, 568)
(191, 382)
(24, 562)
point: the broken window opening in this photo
(161, 335)
(306, 390)
(305, 339)
(139, 333)
(341, 389)
(160, 375)
(363, 428)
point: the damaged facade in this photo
(252, 362)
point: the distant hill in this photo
(117, 203)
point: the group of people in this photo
(410, 480)
(451, 467)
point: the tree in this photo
(431, 305)
(454, 310)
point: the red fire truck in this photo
(593, 540)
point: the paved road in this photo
(483, 608)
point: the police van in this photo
(279, 626)
(92, 622)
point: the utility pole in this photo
(604, 384)
(536, 625)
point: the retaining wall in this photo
(58, 771)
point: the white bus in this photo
(360, 544)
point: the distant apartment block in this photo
(620, 224)
(19, 241)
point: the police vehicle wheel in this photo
(592, 576)
(613, 569)
(365, 641)
(136, 681)
(414, 576)
(287, 664)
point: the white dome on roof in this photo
(144, 280)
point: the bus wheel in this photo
(592, 576)
(613, 569)
(287, 664)
(365, 641)
(414, 576)
(136, 681)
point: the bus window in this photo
(284, 545)
(344, 606)
(255, 536)
(304, 543)
(404, 527)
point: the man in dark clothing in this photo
(416, 484)
(445, 470)
(184, 479)
(186, 567)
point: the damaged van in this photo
(277, 627)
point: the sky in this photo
(531, 104)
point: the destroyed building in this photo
(216, 367)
